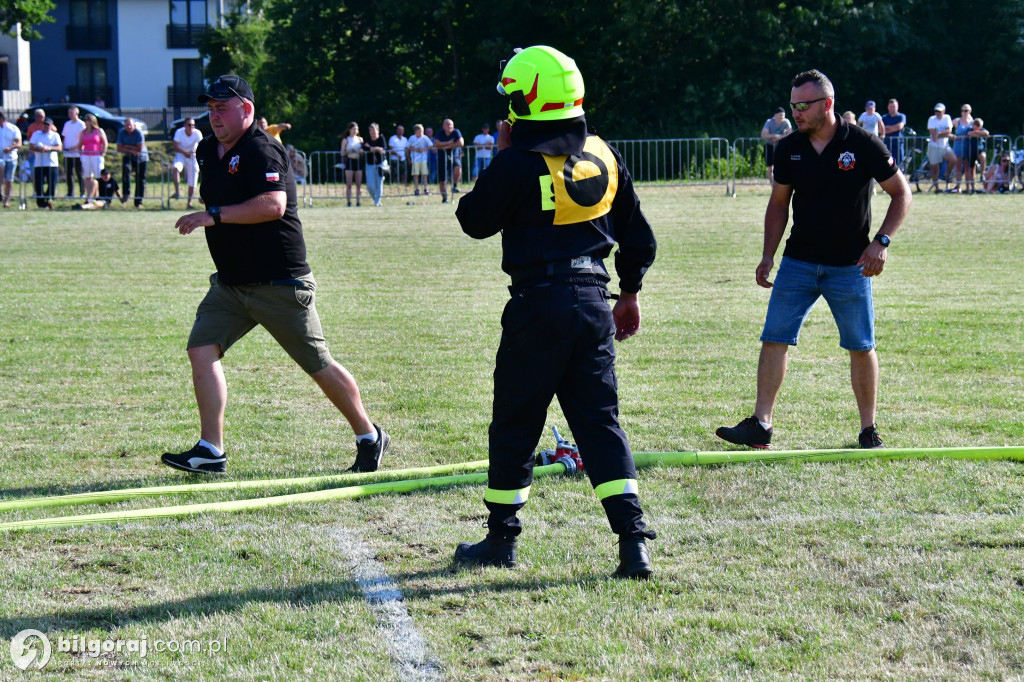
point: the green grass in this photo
(907, 570)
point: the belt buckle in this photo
(581, 263)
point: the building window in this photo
(188, 83)
(188, 23)
(88, 28)
(91, 82)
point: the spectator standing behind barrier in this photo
(419, 159)
(186, 139)
(38, 116)
(940, 129)
(375, 154)
(132, 144)
(557, 336)
(72, 134)
(893, 123)
(94, 146)
(298, 165)
(825, 169)
(483, 144)
(871, 121)
(10, 141)
(431, 156)
(976, 149)
(255, 239)
(774, 129)
(399, 162)
(449, 157)
(275, 129)
(45, 142)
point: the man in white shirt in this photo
(72, 135)
(186, 139)
(940, 129)
(482, 146)
(10, 141)
(871, 120)
(398, 144)
(45, 142)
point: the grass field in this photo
(906, 569)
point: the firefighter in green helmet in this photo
(562, 199)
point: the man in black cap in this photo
(255, 238)
(775, 128)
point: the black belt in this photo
(581, 266)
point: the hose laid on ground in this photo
(643, 459)
(107, 496)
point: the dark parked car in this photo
(110, 123)
(202, 124)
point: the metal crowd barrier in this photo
(698, 161)
(157, 180)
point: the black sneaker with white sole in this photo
(200, 459)
(747, 432)
(368, 455)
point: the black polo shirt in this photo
(831, 193)
(262, 252)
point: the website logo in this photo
(30, 648)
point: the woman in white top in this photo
(352, 154)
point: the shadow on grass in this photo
(312, 594)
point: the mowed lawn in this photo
(906, 569)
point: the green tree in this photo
(28, 13)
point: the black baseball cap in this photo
(48, 121)
(225, 87)
(778, 110)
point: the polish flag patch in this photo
(274, 176)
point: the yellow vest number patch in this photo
(580, 188)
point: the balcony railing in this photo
(181, 96)
(88, 37)
(185, 35)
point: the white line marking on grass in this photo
(405, 643)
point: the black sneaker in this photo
(200, 459)
(368, 455)
(869, 439)
(634, 559)
(493, 550)
(747, 432)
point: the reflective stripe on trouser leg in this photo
(623, 486)
(507, 496)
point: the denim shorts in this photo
(798, 284)
(10, 167)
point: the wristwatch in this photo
(214, 212)
(880, 238)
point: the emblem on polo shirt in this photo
(847, 161)
(233, 164)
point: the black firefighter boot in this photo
(634, 559)
(493, 550)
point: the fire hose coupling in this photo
(565, 453)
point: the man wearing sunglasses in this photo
(253, 231)
(825, 169)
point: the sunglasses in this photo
(804, 106)
(221, 91)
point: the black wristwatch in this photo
(214, 212)
(880, 238)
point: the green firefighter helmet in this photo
(542, 84)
